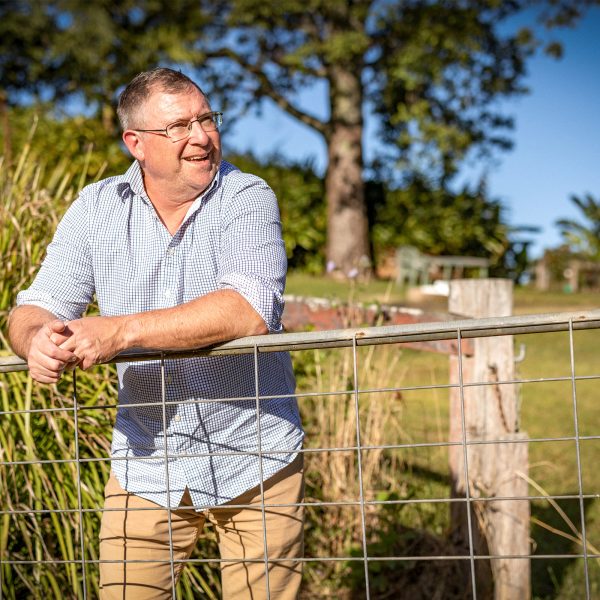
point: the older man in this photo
(181, 251)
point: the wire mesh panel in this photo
(398, 501)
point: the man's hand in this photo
(94, 340)
(46, 359)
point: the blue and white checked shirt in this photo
(111, 243)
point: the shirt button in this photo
(177, 418)
(171, 250)
(169, 379)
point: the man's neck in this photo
(170, 208)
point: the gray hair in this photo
(144, 84)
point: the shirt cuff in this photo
(267, 302)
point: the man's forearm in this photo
(217, 317)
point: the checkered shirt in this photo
(111, 243)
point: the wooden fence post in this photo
(491, 413)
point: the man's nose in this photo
(198, 131)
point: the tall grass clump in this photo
(335, 529)
(38, 445)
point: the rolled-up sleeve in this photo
(252, 259)
(64, 284)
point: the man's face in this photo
(183, 169)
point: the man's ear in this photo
(134, 143)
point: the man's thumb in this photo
(57, 326)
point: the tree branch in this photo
(268, 89)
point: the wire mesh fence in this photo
(386, 515)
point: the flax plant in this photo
(332, 466)
(44, 549)
(39, 477)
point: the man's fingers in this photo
(59, 338)
(58, 354)
(56, 326)
(43, 379)
(46, 364)
(42, 376)
(46, 371)
(69, 344)
(46, 359)
(49, 357)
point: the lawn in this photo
(527, 300)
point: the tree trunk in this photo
(347, 226)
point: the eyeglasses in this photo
(180, 130)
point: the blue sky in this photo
(556, 138)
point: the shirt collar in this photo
(203, 196)
(135, 178)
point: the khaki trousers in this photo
(129, 535)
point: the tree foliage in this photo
(583, 237)
(64, 49)
(78, 143)
(300, 193)
(441, 221)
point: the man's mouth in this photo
(195, 158)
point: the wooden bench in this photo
(416, 268)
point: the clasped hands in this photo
(60, 346)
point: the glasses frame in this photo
(216, 116)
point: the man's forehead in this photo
(164, 97)
(175, 105)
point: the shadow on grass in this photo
(422, 577)
(423, 567)
(558, 577)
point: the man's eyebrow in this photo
(194, 116)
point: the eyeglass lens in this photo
(182, 129)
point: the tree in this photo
(394, 56)
(583, 238)
(431, 71)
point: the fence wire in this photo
(17, 518)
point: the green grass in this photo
(301, 284)
(527, 300)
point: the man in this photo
(181, 251)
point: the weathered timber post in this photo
(542, 274)
(572, 275)
(491, 412)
